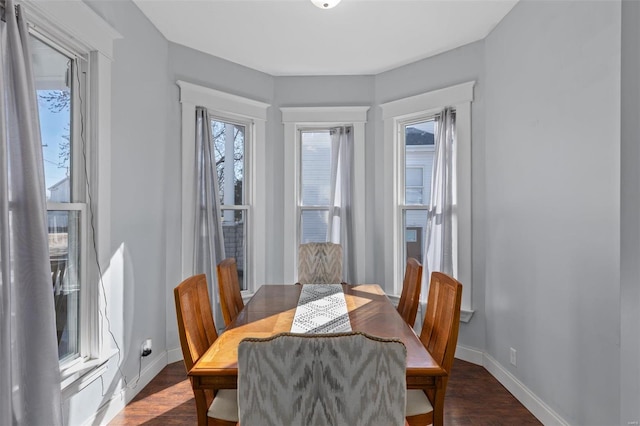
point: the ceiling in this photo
(294, 37)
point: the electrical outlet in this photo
(146, 347)
(512, 356)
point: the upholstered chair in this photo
(323, 379)
(319, 263)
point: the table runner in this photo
(322, 308)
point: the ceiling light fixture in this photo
(325, 4)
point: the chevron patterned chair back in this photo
(330, 379)
(319, 263)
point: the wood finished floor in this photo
(474, 397)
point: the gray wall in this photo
(630, 216)
(136, 270)
(552, 219)
(554, 244)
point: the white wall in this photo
(630, 216)
(552, 240)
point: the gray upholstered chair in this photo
(319, 263)
(330, 379)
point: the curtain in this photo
(438, 255)
(29, 370)
(209, 239)
(340, 227)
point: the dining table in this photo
(271, 311)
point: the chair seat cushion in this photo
(417, 403)
(224, 405)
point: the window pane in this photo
(52, 78)
(314, 226)
(415, 225)
(228, 143)
(315, 168)
(235, 231)
(64, 254)
(418, 161)
(413, 196)
(420, 133)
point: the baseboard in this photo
(120, 399)
(174, 355)
(471, 355)
(535, 405)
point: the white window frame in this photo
(234, 108)
(395, 115)
(78, 28)
(302, 118)
(246, 177)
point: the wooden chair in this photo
(319, 263)
(440, 336)
(230, 297)
(197, 332)
(410, 297)
(333, 379)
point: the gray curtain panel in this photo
(208, 236)
(439, 232)
(340, 226)
(29, 370)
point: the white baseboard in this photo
(471, 355)
(538, 408)
(174, 355)
(120, 399)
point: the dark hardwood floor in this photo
(474, 397)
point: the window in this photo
(238, 127)
(315, 182)
(307, 182)
(416, 165)
(59, 90)
(229, 149)
(409, 126)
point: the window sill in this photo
(79, 375)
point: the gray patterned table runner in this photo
(322, 308)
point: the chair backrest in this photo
(410, 297)
(349, 378)
(196, 327)
(320, 263)
(230, 297)
(442, 320)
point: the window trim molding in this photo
(394, 114)
(254, 113)
(295, 119)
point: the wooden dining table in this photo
(271, 311)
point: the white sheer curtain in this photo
(438, 255)
(340, 227)
(209, 239)
(29, 370)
